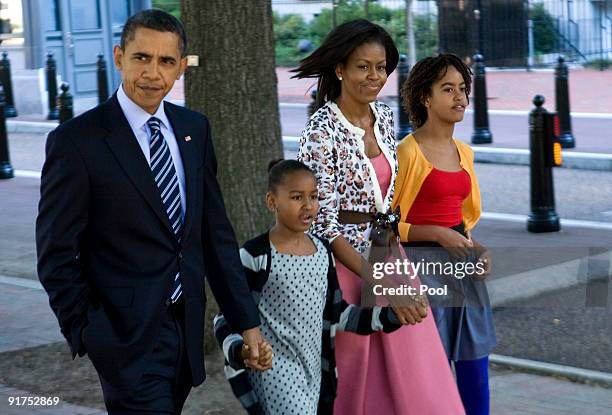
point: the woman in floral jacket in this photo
(349, 144)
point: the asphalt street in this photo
(509, 131)
(582, 332)
(569, 327)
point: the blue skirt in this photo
(460, 305)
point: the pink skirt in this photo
(404, 373)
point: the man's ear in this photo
(118, 57)
(182, 67)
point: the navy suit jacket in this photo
(106, 251)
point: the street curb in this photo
(513, 156)
(30, 127)
(521, 157)
(529, 284)
(21, 282)
(570, 223)
(395, 108)
(570, 372)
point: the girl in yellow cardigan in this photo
(437, 191)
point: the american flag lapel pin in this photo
(188, 138)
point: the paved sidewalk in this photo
(511, 392)
(506, 89)
(27, 320)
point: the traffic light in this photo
(552, 146)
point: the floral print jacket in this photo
(333, 148)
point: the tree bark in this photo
(235, 86)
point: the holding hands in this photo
(411, 314)
(256, 351)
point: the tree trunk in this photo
(235, 87)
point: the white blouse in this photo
(334, 149)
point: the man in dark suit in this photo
(130, 220)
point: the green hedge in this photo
(171, 6)
(290, 29)
(545, 37)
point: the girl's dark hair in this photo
(279, 169)
(423, 75)
(336, 48)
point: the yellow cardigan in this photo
(413, 170)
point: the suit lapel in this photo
(186, 145)
(128, 153)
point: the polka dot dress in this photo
(291, 311)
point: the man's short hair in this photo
(154, 19)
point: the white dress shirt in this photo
(137, 118)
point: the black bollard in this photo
(312, 107)
(6, 170)
(7, 84)
(102, 80)
(566, 138)
(65, 104)
(51, 69)
(481, 134)
(543, 217)
(405, 127)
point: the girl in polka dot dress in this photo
(293, 280)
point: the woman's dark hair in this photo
(154, 19)
(279, 169)
(423, 75)
(336, 48)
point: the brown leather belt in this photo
(384, 230)
(352, 217)
(383, 236)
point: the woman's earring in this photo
(340, 77)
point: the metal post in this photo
(405, 127)
(543, 217)
(50, 69)
(333, 2)
(566, 138)
(102, 79)
(530, 57)
(481, 134)
(7, 84)
(65, 104)
(601, 38)
(6, 170)
(478, 15)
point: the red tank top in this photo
(440, 198)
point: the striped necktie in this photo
(167, 182)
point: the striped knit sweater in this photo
(337, 315)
